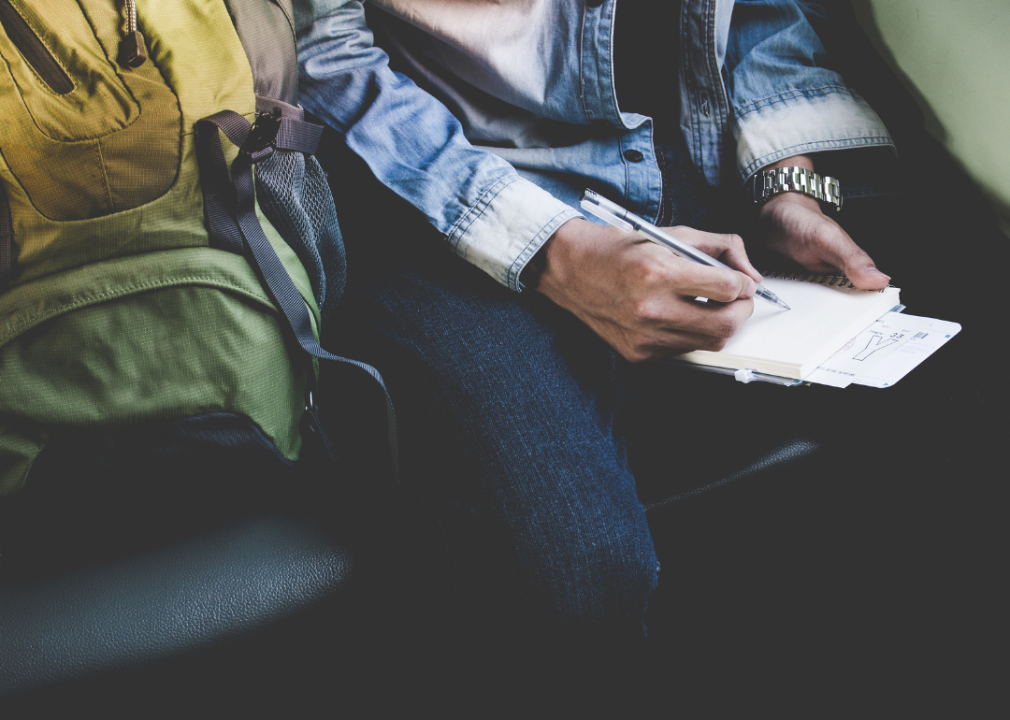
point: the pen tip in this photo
(784, 305)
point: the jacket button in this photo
(594, 3)
(633, 156)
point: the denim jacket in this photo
(534, 116)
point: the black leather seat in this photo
(109, 566)
(184, 598)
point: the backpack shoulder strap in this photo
(266, 29)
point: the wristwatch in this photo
(769, 183)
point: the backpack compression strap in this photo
(274, 130)
(6, 239)
(230, 211)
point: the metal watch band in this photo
(769, 183)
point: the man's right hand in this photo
(640, 297)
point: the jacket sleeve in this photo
(785, 99)
(490, 216)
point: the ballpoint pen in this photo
(617, 216)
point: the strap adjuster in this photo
(262, 139)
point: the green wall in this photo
(954, 55)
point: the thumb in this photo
(861, 270)
(841, 251)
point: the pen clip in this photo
(608, 217)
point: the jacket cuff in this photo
(801, 122)
(503, 230)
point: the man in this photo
(507, 405)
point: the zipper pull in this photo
(132, 50)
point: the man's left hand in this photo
(794, 226)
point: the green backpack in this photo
(144, 282)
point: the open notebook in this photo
(827, 312)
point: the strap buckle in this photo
(262, 139)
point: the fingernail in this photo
(751, 289)
(873, 270)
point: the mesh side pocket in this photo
(293, 191)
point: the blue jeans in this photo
(506, 411)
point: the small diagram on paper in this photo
(876, 342)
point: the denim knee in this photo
(592, 572)
(570, 558)
(508, 432)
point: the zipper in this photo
(132, 50)
(34, 50)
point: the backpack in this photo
(158, 297)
